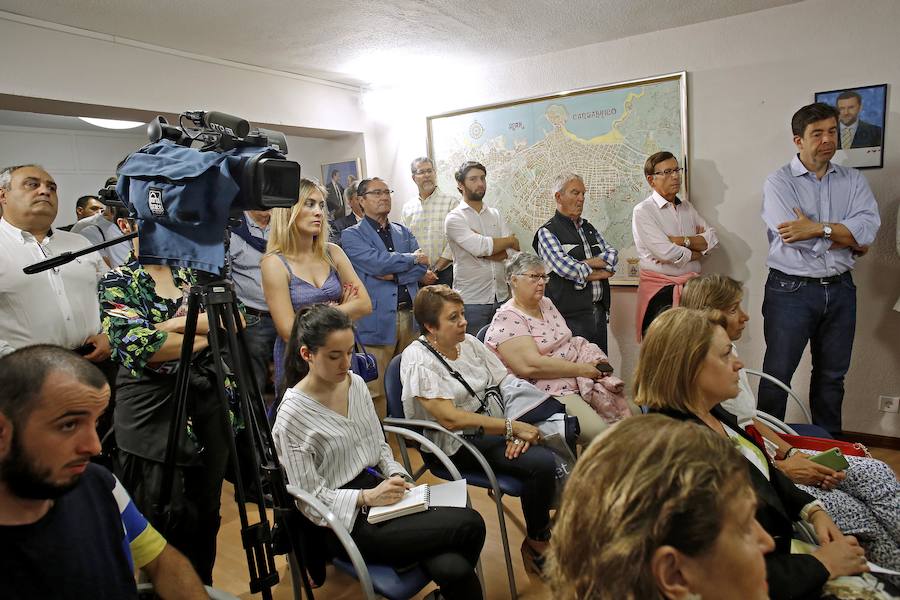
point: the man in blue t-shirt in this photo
(68, 528)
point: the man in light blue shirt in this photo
(821, 218)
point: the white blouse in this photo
(424, 376)
(322, 450)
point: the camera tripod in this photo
(226, 332)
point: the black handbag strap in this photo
(455, 374)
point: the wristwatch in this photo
(826, 231)
(687, 242)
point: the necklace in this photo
(435, 345)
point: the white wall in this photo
(747, 75)
(79, 161)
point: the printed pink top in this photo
(554, 338)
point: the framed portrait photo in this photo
(336, 177)
(860, 139)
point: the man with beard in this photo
(480, 240)
(68, 528)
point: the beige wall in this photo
(747, 75)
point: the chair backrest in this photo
(393, 389)
(482, 333)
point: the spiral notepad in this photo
(421, 498)
(414, 501)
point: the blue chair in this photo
(482, 332)
(497, 485)
(376, 580)
(807, 429)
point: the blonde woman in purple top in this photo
(301, 268)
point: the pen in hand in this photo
(372, 471)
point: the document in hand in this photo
(420, 498)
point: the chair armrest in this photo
(362, 572)
(775, 423)
(422, 424)
(425, 442)
(778, 383)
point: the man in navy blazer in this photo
(854, 132)
(388, 260)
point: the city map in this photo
(604, 135)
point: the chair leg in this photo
(498, 500)
(296, 586)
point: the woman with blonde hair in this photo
(864, 499)
(301, 268)
(686, 368)
(668, 522)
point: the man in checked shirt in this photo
(579, 260)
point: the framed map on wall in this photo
(602, 133)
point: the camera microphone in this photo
(225, 123)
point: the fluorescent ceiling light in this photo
(112, 123)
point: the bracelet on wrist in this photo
(509, 430)
(790, 452)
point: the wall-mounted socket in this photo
(889, 404)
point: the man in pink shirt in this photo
(671, 237)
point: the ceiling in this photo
(365, 42)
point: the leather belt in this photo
(819, 280)
(255, 312)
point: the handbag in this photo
(805, 442)
(361, 362)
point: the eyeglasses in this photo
(534, 277)
(378, 193)
(669, 172)
(425, 172)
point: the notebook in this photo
(420, 498)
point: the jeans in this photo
(536, 469)
(590, 324)
(479, 315)
(797, 311)
(260, 335)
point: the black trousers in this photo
(536, 469)
(590, 324)
(192, 523)
(445, 541)
(659, 303)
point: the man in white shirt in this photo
(480, 241)
(424, 215)
(101, 227)
(57, 306)
(671, 237)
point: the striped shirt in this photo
(321, 450)
(140, 540)
(425, 218)
(551, 251)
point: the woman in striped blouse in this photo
(329, 439)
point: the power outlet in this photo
(889, 404)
